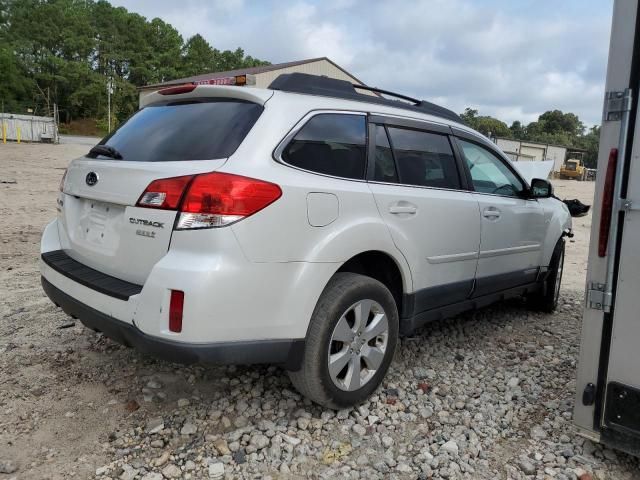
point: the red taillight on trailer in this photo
(164, 193)
(190, 87)
(176, 305)
(219, 199)
(607, 203)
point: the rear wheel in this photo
(547, 299)
(350, 342)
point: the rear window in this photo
(191, 130)
(331, 144)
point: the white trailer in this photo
(607, 407)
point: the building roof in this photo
(542, 144)
(245, 71)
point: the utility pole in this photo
(109, 93)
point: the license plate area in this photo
(100, 223)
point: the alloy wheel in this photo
(358, 345)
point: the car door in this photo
(416, 182)
(512, 226)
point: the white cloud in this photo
(511, 60)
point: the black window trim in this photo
(417, 125)
(483, 143)
(410, 123)
(284, 143)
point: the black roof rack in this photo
(332, 87)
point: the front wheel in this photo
(350, 342)
(547, 299)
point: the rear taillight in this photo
(176, 305)
(219, 199)
(164, 193)
(211, 199)
(607, 203)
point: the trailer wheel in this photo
(546, 300)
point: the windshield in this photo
(571, 165)
(199, 129)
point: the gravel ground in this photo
(487, 395)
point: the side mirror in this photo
(541, 188)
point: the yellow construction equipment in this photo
(574, 168)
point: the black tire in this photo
(546, 300)
(342, 292)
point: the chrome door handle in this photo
(397, 209)
(491, 212)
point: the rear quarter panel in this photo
(282, 232)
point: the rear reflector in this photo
(211, 199)
(164, 193)
(607, 203)
(178, 89)
(176, 304)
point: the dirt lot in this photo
(486, 395)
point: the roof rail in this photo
(332, 87)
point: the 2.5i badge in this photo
(146, 233)
(146, 223)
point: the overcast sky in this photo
(510, 59)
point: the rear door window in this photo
(424, 159)
(201, 129)
(384, 165)
(331, 144)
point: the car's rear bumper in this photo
(282, 351)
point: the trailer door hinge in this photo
(597, 297)
(615, 103)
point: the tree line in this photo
(552, 127)
(64, 52)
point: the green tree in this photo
(64, 52)
(197, 57)
(555, 121)
(488, 126)
(517, 129)
(552, 127)
(590, 142)
(163, 59)
(469, 116)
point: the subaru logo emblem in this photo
(91, 179)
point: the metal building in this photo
(261, 76)
(518, 151)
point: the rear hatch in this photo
(99, 222)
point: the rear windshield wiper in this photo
(105, 151)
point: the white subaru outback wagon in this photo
(308, 225)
